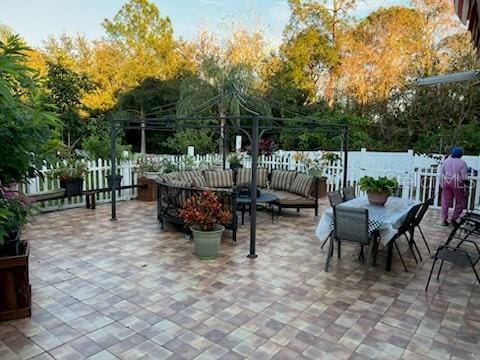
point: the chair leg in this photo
(338, 248)
(476, 274)
(440, 269)
(375, 250)
(431, 272)
(325, 241)
(401, 257)
(361, 256)
(369, 253)
(424, 239)
(411, 248)
(329, 254)
(416, 248)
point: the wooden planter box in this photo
(15, 289)
(147, 189)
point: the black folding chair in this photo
(456, 256)
(351, 225)
(334, 198)
(348, 193)
(418, 219)
(405, 229)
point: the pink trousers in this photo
(450, 192)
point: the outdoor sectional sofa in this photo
(293, 189)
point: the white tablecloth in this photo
(386, 219)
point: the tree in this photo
(66, 91)
(26, 124)
(147, 38)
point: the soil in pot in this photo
(72, 186)
(207, 243)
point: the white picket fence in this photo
(417, 175)
(96, 178)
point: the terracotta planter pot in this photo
(207, 243)
(375, 198)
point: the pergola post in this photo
(253, 189)
(345, 156)
(113, 163)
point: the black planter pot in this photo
(72, 186)
(11, 245)
(117, 179)
(236, 166)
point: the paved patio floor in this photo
(128, 290)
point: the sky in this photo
(36, 20)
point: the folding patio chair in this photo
(456, 256)
(418, 219)
(351, 225)
(348, 193)
(403, 230)
(334, 198)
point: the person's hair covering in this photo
(456, 152)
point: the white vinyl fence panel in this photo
(417, 175)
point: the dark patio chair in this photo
(456, 256)
(334, 198)
(348, 193)
(418, 219)
(405, 229)
(351, 225)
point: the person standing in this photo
(454, 175)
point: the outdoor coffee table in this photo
(264, 198)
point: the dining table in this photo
(385, 219)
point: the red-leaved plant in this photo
(203, 210)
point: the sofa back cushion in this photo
(244, 176)
(302, 185)
(176, 192)
(194, 177)
(282, 179)
(219, 178)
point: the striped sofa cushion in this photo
(302, 185)
(282, 179)
(219, 178)
(244, 176)
(194, 177)
(176, 193)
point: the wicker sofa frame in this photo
(168, 207)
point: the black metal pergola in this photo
(255, 126)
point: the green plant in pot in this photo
(71, 172)
(235, 161)
(98, 148)
(205, 215)
(14, 212)
(378, 190)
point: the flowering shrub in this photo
(203, 211)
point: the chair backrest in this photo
(348, 193)
(409, 219)
(351, 224)
(335, 198)
(418, 219)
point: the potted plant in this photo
(235, 161)
(14, 211)
(313, 166)
(71, 172)
(378, 190)
(205, 215)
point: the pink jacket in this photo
(454, 170)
